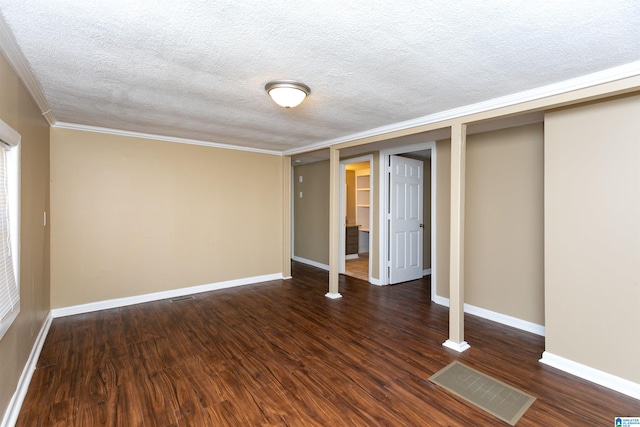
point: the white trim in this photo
(440, 300)
(383, 206)
(333, 296)
(311, 263)
(601, 77)
(588, 373)
(434, 225)
(504, 319)
(8, 135)
(459, 347)
(292, 212)
(376, 282)
(13, 410)
(351, 256)
(18, 62)
(120, 132)
(426, 272)
(138, 299)
(494, 316)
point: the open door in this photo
(405, 219)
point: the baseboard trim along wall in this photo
(604, 379)
(504, 319)
(13, 410)
(310, 262)
(138, 299)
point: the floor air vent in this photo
(184, 298)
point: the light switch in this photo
(301, 194)
(300, 178)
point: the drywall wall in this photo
(503, 221)
(592, 235)
(133, 216)
(18, 110)
(311, 212)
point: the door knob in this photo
(421, 225)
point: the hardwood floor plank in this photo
(281, 354)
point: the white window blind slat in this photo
(9, 290)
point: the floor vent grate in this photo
(495, 397)
(179, 299)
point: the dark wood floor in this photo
(281, 354)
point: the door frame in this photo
(343, 209)
(383, 202)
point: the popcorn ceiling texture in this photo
(197, 68)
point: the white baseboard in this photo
(426, 272)
(352, 256)
(504, 319)
(138, 299)
(588, 373)
(13, 410)
(376, 282)
(311, 263)
(440, 300)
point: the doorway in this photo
(355, 209)
(425, 153)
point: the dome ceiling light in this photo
(287, 93)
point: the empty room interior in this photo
(222, 213)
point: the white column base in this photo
(459, 347)
(333, 296)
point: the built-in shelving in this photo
(362, 199)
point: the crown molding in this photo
(18, 62)
(120, 132)
(11, 51)
(589, 80)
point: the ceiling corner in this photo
(11, 51)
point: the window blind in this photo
(9, 289)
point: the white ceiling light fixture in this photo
(287, 93)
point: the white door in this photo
(405, 219)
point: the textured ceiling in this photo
(196, 69)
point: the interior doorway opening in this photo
(426, 153)
(356, 212)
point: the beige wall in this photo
(503, 221)
(19, 111)
(133, 216)
(592, 236)
(311, 212)
(504, 230)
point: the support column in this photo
(456, 260)
(334, 223)
(287, 203)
